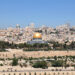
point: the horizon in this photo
(71, 26)
(41, 12)
(23, 25)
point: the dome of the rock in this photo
(37, 35)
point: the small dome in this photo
(37, 35)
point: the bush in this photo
(58, 63)
(40, 64)
(15, 61)
(1, 64)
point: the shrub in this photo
(15, 61)
(40, 64)
(58, 63)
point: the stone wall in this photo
(39, 73)
(35, 54)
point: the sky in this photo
(40, 12)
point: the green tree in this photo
(40, 64)
(72, 45)
(15, 61)
(55, 57)
(58, 63)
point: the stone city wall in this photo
(35, 54)
(40, 73)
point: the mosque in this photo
(37, 38)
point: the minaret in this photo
(31, 25)
(17, 26)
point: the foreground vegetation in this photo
(43, 62)
(40, 62)
(38, 47)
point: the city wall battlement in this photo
(40, 73)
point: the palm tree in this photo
(65, 63)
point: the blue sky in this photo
(41, 12)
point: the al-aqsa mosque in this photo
(37, 38)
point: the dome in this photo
(37, 35)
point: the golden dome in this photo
(37, 35)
